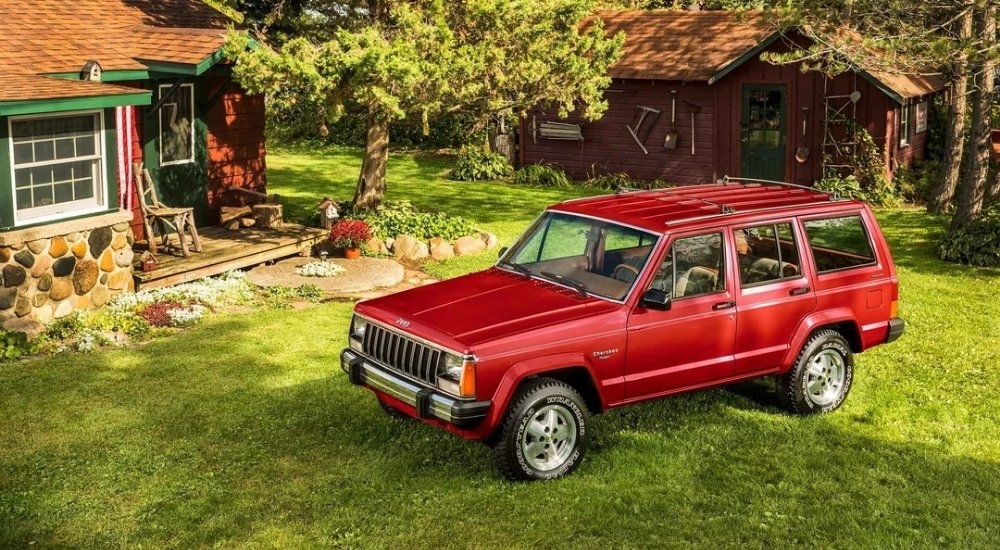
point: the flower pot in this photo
(352, 253)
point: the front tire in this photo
(544, 433)
(822, 376)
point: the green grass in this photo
(302, 177)
(243, 432)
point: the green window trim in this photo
(44, 106)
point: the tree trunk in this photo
(503, 144)
(970, 196)
(371, 182)
(954, 140)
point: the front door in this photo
(691, 344)
(763, 125)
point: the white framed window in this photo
(177, 125)
(58, 165)
(904, 125)
(921, 124)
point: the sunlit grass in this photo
(244, 432)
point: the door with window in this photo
(668, 350)
(774, 293)
(764, 136)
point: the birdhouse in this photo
(91, 71)
(147, 261)
(327, 212)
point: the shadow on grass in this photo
(914, 236)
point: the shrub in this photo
(393, 218)
(476, 164)
(15, 344)
(349, 233)
(622, 181)
(976, 244)
(542, 175)
(847, 186)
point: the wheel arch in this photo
(571, 369)
(840, 320)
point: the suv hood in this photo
(483, 306)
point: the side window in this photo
(839, 243)
(693, 266)
(766, 253)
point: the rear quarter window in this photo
(839, 243)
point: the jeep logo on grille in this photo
(403, 322)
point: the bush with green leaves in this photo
(477, 164)
(542, 175)
(976, 244)
(392, 218)
(14, 345)
(846, 187)
(620, 181)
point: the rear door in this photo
(691, 344)
(774, 293)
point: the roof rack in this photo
(726, 179)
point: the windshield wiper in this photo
(567, 281)
(517, 267)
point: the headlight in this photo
(356, 336)
(358, 328)
(458, 375)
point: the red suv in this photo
(620, 299)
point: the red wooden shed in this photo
(692, 101)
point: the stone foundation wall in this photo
(50, 276)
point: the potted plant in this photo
(349, 235)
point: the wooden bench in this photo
(560, 130)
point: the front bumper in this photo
(428, 402)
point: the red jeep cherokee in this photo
(620, 299)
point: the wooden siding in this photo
(608, 148)
(236, 150)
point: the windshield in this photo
(593, 256)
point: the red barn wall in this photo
(608, 148)
(236, 151)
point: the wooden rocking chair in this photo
(177, 219)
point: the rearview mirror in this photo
(656, 299)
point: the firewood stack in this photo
(250, 209)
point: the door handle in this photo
(798, 291)
(724, 305)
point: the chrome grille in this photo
(403, 354)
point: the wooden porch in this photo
(225, 250)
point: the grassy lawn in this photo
(243, 431)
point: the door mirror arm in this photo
(656, 299)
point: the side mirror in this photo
(656, 299)
(503, 250)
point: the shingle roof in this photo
(683, 45)
(56, 36)
(697, 46)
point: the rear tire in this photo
(821, 377)
(544, 433)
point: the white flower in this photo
(320, 269)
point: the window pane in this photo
(698, 263)
(22, 178)
(41, 175)
(23, 153)
(83, 189)
(21, 130)
(85, 146)
(63, 192)
(65, 149)
(839, 243)
(176, 125)
(43, 196)
(24, 198)
(44, 151)
(62, 172)
(766, 253)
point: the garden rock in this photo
(26, 325)
(63, 309)
(61, 289)
(441, 249)
(376, 246)
(85, 276)
(14, 275)
(489, 238)
(408, 248)
(469, 245)
(42, 265)
(58, 248)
